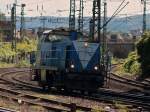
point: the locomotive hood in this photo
(86, 55)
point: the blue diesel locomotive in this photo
(66, 61)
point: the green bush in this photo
(23, 48)
(121, 107)
(143, 50)
(131, 64)
(27, 46)
(6, 51)
(117, 60)
(138, 62)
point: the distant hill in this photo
(124, 24)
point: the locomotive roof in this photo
(60, 31)
(54, 38)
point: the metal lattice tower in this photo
(43, 19)
(72, 15)
(105, 27)
(144, 16)
(80, 19)
(13, 26)
(91, 32)
(96, 21)
(22, 26)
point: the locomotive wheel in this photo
(43, 88)
(82, 92)
(66, 90)
(59, 89)
(90, 93)
(49, 87)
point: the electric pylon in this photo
(96, 21)
(22, 26)
(80, 19)
(72, 15)
(105, 27)
(144, 15)
(13, 26)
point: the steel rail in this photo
(129, 81)
(47, 101)
(109, 95)
(6, 110)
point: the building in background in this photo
(5, 30)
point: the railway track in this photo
(144, 85)
(102, 95)
(147, 81)
(6, 110)
(130, 82)
(35, 100)
(126, 97)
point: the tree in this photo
(2, 18)
(131, 64)
(143, 50)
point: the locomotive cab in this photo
(50, 57)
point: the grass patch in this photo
(46, 96)
(4, 65)
(98, 109)
(119, 70)
(35, 108)
(120, 107)
(117, 61)
(10, 104)
(23, 63)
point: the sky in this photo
(61, 7)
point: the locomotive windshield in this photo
(51, 38)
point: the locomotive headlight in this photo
(96, 68)
(72, 66)
(85, 44)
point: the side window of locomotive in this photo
(68, 48)
(42, 54)
(43, 37)
(53, 52)
(47, 39)
(48, 54)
